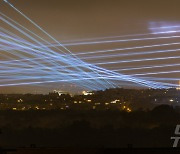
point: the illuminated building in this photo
(87, 93)
(59, 93)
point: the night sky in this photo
(75, 20)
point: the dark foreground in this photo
(89, 129)
(91, 151)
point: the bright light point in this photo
(129, 110)
(37, 108)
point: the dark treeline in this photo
(91, 128)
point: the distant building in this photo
(87, 93)
(59, 93)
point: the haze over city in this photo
(125, 37)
